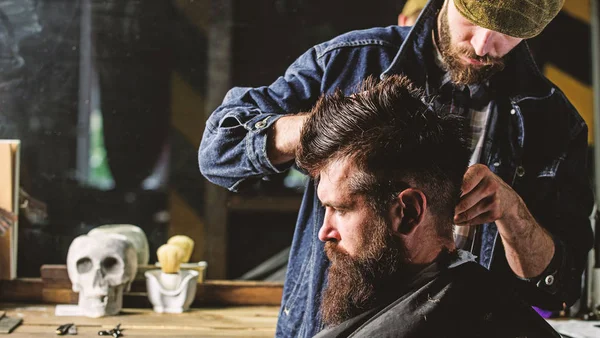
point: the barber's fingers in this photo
(486, 188)
(468, 200)
(473, 177)
(486, 217)
(489, 206)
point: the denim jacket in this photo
(536, 141)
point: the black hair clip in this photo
(116, 332)
(64, 329)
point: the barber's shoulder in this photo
(385, 37)
(576, 122)
(562, 111)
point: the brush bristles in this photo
(185, 243)
(170, 257)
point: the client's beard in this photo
(358, 284)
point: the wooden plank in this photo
(239, 293)
(219, 77)
(6, 203)
(208, 293)
(59, 296)
(22, 290)
(56, 276)
(55, 288)
(54, 271)
(9, 187)
(68, 296)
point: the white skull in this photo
(101, 267)
(134, 234)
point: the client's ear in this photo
(407, 211)
(402, 20)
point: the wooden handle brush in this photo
(185, 243)
(170, 257)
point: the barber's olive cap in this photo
(412, 7)
(518, 18)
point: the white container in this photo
(176, 300)
(198, 266)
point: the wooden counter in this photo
(246, 321)
(221, 308)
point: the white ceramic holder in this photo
(169, 299)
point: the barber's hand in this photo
(284, 138)
(485, 198)
(7, 220)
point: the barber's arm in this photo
(487, 198)
(551, 257)
(246, 137)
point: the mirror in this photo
(109, 99)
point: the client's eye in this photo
(340, 212)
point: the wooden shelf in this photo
(55, 288)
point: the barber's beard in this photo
(358, 284)
(460, 72)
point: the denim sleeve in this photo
(574, 234)
(559, 285)
(234, 144)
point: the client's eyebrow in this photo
(340, 205)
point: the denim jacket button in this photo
(260, 124)
(520, 171)
(549, 280)
(513, 112)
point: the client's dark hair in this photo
(395, 140)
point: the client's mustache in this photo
(335, 252)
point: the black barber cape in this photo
(455, 299)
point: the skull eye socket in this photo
(110, 265)
(84, 265)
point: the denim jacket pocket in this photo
(230, 121)
(539, 189)
(550, 170)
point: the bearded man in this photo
(526, 198)
(388, 170)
